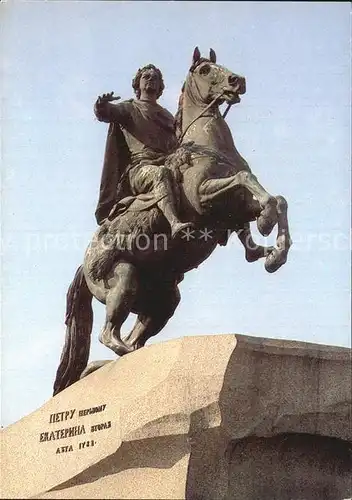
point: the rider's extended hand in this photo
(100, 103)
(108, 97)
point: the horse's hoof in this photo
(118, 346)
(134, 346)
(93, 366)
(268, 218)
(254, 254)
(275, 260)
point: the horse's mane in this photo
(178, 115)
(179, 112)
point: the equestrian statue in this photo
(172, 189)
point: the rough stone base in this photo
(202, 418)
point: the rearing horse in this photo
(217, 191)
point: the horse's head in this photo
(207, 80)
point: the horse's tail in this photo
(79, 322)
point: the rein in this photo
(200, 115)
(227, 110)
(203, 113)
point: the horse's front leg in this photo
(253, 251)
(278, 256)
(212, 188)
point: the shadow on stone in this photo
(280, 410)
(158, 453)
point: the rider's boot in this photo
(167, 206)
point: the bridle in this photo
(202, 113)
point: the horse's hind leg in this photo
(153, 320)
(212, 188)
(146, 326)
(278, 256)
(119, 302)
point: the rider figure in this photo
(148, 131)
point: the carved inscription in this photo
(64, 449)
(62, 433)
(74, 430)
(61, 416)
(86, 444)
(90, 411)
(100, 427)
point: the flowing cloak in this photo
(116, 160)
(138, 131)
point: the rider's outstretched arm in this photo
(107, 112)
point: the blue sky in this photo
(293, 127)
